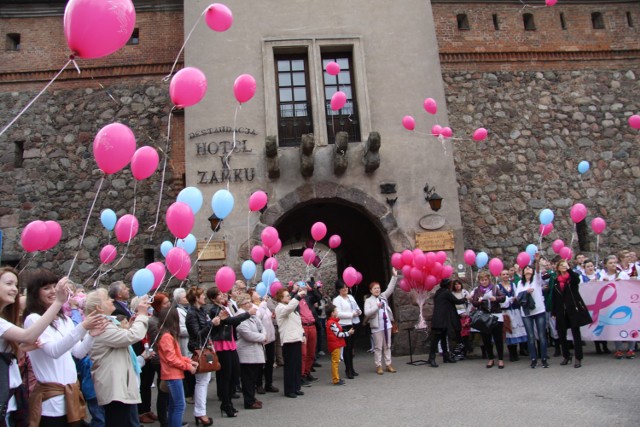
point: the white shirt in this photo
(618, 275)
(381, 318)
(14, 371)
(538, 298)
(346, 308)
(53, 362)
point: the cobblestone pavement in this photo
(604, 391)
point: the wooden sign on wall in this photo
(207, 273)
(216, 249)
(435, 241)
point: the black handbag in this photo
(483, 321)
(582, 316)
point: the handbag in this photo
(582, 316)
(207, 360)
(394, 327)
(483, 321)
(465, 326)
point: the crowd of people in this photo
(65, 351)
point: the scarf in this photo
(563, 279)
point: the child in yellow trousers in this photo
(335, 341)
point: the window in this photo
(294, 106)
(18, 154)
(597, 21)
(496, 24)
(345, 119)
(563, 23)
(629, 20)
(463, 21)
(13, 41)
(135, 37)
(529, 23)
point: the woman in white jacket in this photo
(291, 338)
(348, 313)
(251, 338)
(377, 312)
(266, 317)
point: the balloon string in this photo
(166, 78)
(597, 248)
(444, 147)
(233, 147)
(573, 233)
(86, 224)
(37, 96)
(164, 169)
(28, 262)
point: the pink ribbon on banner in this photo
(601, 303)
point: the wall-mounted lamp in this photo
(214, 222)
(434, 199)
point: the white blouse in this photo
(346, 307)
(14, 371)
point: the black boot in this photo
(524, 351)
(432, 360)
(446, 358)
(513, 353)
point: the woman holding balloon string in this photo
(487, 297)
(516, 335)
(267, 317)
(348, 311)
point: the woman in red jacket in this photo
(173, 364)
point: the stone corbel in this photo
(273, 165)
(306, 155)
(371, 155)
(340, 159)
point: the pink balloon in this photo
(446, 132)
(480, 134)
(436, 269)
(550, 2)
(430, 282)
(159, 271)
(409, 123)
(358, 278)
(419, 258)
(333, 68)
(225, 279)
(338, 100)
(335, 241)
(34, 236)
(406, 271)
(557, 245)
(566, 253)
(98, 28)
(55, 233)
(180, 219)
(276, 247)
(598, 225)
(257, 254)
(144, 162)
(113, 147)
(430, 258)
(269, 236)
(257, 200)
(469, 257)
(267, 251)
(218, 17)
(407, 257)
(271, 263)
(523, 259)
(546, 229)
(188, 86)
(447, 271)
(308, 256)
(318, 231)
(349, 275)
(244, 88)
(436, 130)
(441, 257)
(396, 261)
(108, 254)
(126, 228)
(178, 263)
(495, 266)
(416, 274)
(634, 121)
(274, 288)
(404, 285)
(430, 106)
(578, 212)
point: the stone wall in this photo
(541, 125)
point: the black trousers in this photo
(189, 384)
(228, 375)
(438, 335)
(292, 355)
(147, 376)
(249, 374)
(577, 341)
(347, 353)
(496, 335)
(120, 414)
(267, 370)
(55, 421)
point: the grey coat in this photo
(251, 336)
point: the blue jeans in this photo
(97, 413)
(176, 402)
(540, 321)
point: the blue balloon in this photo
(222, 203)
(546, 216)
(165, 247)
(142, 281)
(191, 196)
(261, 289)
(583, 166)
(189, 244)
(481, 259)
(268, 276)
(108, 219)
(532, 250)
(248, 269)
